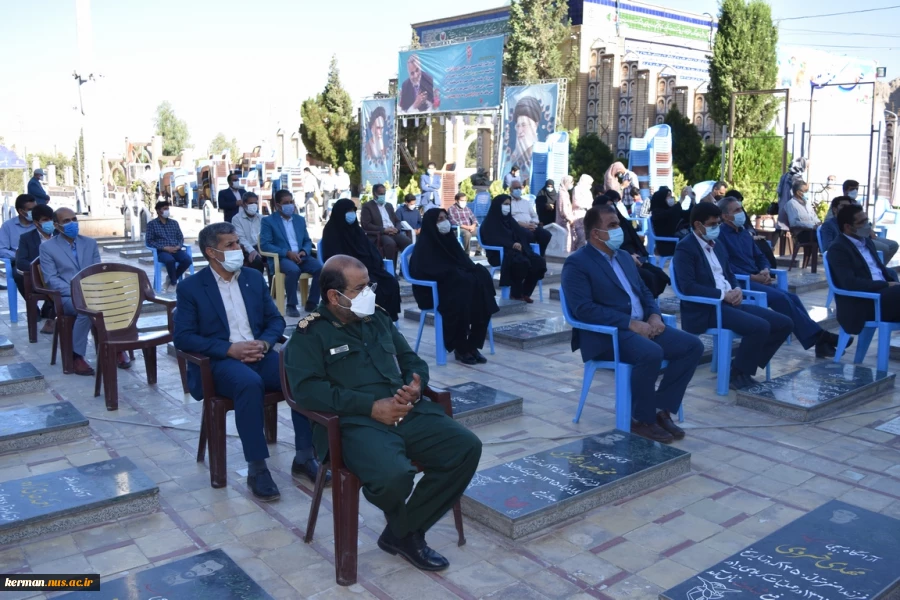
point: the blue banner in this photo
(451, 78)
(529, 116)
(9, 159)
(378, 143)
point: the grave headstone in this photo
(529, 494)
(6, 347)
(836, 552)
(892, 426)
(208, 576)
(62, 500)
(816, 391)
(477, 404)
(20, 378)
(30, 426)
(533, 333)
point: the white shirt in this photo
(801, 214)
(714, 264)
(238, 322)
(874, 269)
(342, 181)
(237, 194)
(523, 211)
(247, 230)
(291, 234)
(385, 217)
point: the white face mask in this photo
(361, 306)
(235, 185)
(444, 227)
(670, 201)
(852, 194)
(462, 203)
(165, 214)
(431, 171)
(506, 209)
(234, 260)
(252, 209)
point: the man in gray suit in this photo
(63, 257)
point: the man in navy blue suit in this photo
(602, 287)
(230, 198)
(284, 233)
(227, 314)
(702, 269)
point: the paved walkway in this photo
(751, 474)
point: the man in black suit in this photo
(230, 198)
(417, 92)
(855, 267)
(29, 249)
(379, 221)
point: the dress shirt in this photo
(247, 230)
(523, 211)
(461, 216)
(801, 214)
(10, 233)
(291, 234)
(386, 222)
(342, 182)
(713, 260)
(874, 269)
(237, 194)
(235, 309)
(637, 309)
(744, 257)
(166, 235)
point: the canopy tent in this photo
(10, 160)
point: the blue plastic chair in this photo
(12, 292)
(621, 370)
(504, 291)
(440, 350)
(722, 338)
(641, 221)
(482, 205)
(781, 282)
(157, 267)
(882, 233)
(659, 261)
(884, 328)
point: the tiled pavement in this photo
(751, 474)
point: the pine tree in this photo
(173, 130)
(328, 122)
(744, 59)
(539, 31)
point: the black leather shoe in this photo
(466, 359)
(479, 357)
(309, 469)
(652, 431)
(309, 307)
(263, 486)
(291, 311)
(414, 549)
(664, 420)
(825, 350)
(738, 380)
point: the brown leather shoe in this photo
(652, 431)
(528, 299)
(664, 420)
(49, 326)
(81, 367)
(123, 361)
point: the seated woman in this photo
(667, 217)
(343, 235)
(521, 268)
(465, 290)
(654, 278)
(546, 202)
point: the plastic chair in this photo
(157, 267)
(482, 205)
(440, 350)
(278, 290)
(641, 221)
(652, 238)
(621, 370)
(504, 290)
(12, 292)
(722, 338)
(884, 328)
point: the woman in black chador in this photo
(521, 268)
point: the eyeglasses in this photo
(372, 286)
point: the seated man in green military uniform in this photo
(348, 358)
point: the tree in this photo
(744, 59)
(539, 31)
(327, 120)
(588, 155)
(220, 144)
(687, 143)
(78, 158)
(173, 130)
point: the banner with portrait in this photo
(452, 78)
(529, 116)
(378, 145)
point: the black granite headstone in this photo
(20, 378)
(525, 495)
(533, 333)
(836, 552)
(107, 489)
(476, 404)
(208, 576)
(816, 391)
(29, 426)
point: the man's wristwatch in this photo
(265, 346)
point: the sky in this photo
(243, 69)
